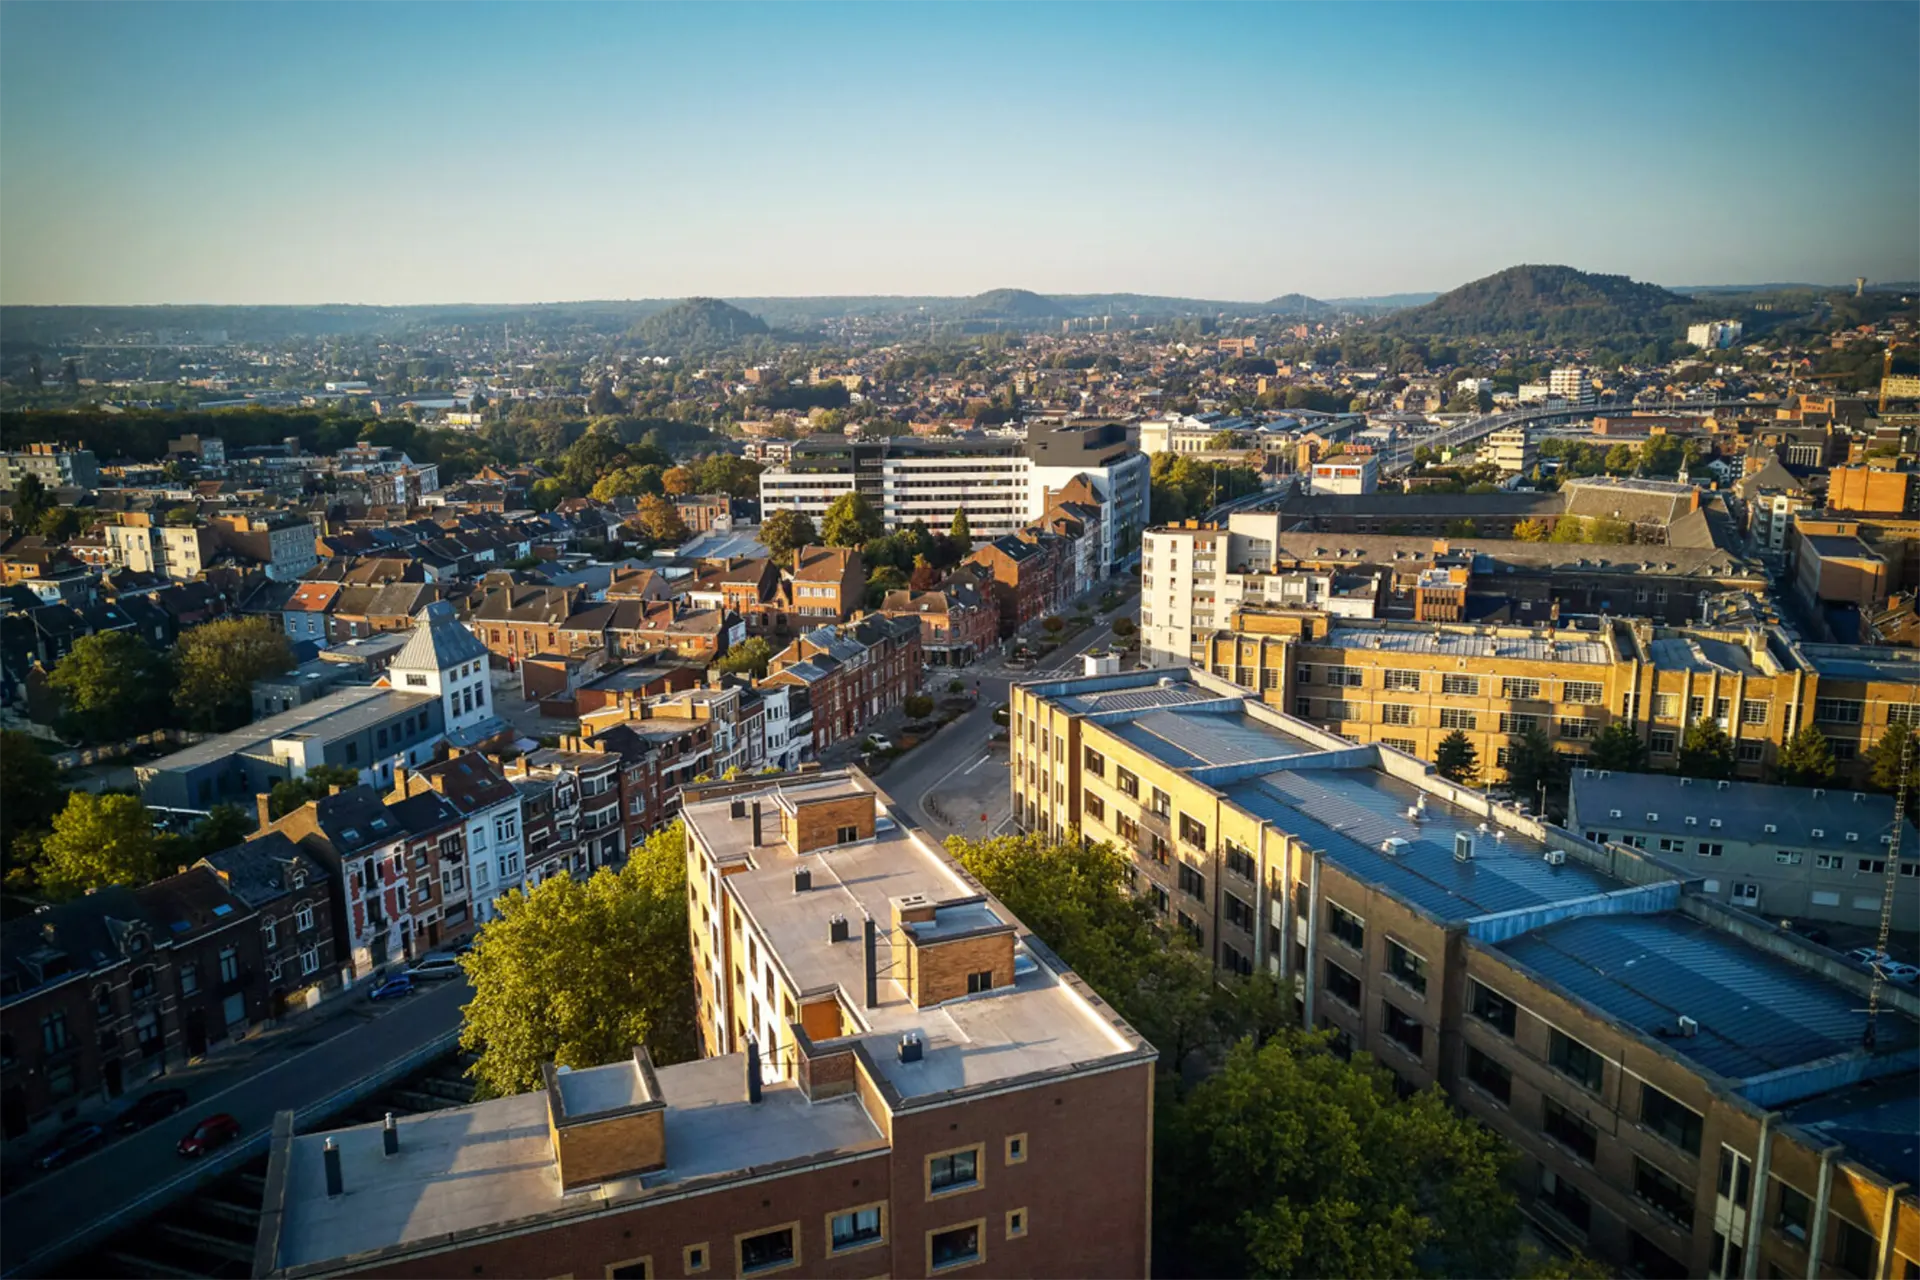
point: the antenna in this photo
(1871, 1033)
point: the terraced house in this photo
(1692, 1091)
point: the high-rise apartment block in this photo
(899, 1080)
(1691, 1090)
(1573, 385)
(52, 466)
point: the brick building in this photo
(851, 673)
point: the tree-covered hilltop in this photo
(1547, 304)
(1011, 304)
(696, 324)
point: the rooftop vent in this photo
(738, 809)
(1819, 833)
(911, 1047)
(1818, 792)
(330, 1157)
(1463, 846)
(1394, 846)
(802, 879)
(1721, 785)
(390, 1136)
(1556, 857)
(1771, 828)
(1613, 813)
(1688, 1027)
(837, 928)
(1652, 817)
(1714, 823)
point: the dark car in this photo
(210, 1134)
(392, 989)
(157, 1105)
(70, 1143)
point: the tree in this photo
(30, 503)
(917, 706)
(661, 520)
(881, 581)
(112, 685)
(70, 376)
(97, 841)
(850, 521)
(1532, 531)
(30, 791)
(578, 974)
(602, 402)
(1383, 1187)
(1456, 760)
(59, 524)
(545, 494)
(1884, 760)
(677, 481)
(1463, 528)
(215, 665)
(1124, 627)
(924, 576)
(1706, 751)
(1569, 529)
(1619, 748)
(784, 532)
(749, 657)
(318, 782)
(1807, 759)
(224, 826)
(1533, 764)
(960, 531)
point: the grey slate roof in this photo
(440, 640)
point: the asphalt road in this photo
(70, 1201)
(960, 767)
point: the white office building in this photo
(1573, 385)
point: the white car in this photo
(879, 742)
(1893, 970)
(435, 967)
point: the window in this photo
(1489, 1075)
(1661, 742)
(1793, 1212)
(1239, 913)
(1574, 1059)
(1492, 1008)
(309, 962)
(976, 982)
(1162, 804)
(1396, 713)
(1346, 926)
(1463, 686)
(1651, 1261)
(1401, 1029)
(855, 1229)
(768, 1250)
(1016, 1223)
(694, 1259)
(53, 1032)
(1585, 692)
(633, 1269)
(1451, 719)
(1576, 730)
(1406, 966)
(140, 985)
(1240, 862)
(953, 1170)
(1663, 1191)
(1303, 674)
(1342, 986)
(189, 979)
(1159, 850)
(1709, 848)
(1017, 1148)
(1332, 710)
(1569, 1130)
(1095, 807)
(1191, 832)
(1129, 784)
(1345, 677)
(1837, 710)
(846, 835)
(1407, 680)
(1193, 882)
(1511, 723)
(1401, 744)
(1565, 1199)
(1854, 1249)
(954, 1246)
(1525, 690)
(1303, 707)
(1678, 1124)
(1755, 711)
(1750, 752)
(1877, 866)
(1096, 764)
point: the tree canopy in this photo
(112, 685)
(97, 841)
(215, 665)
(785, 531)
(850, 522)
(1807, 759)
(1456, 760)
(749, 657)
(1619, 748)
(1706, 751)
(290, 793)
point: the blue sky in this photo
(251, 153)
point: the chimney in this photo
(262, 808)
(330, 1154)
(873, 976)
(390, 1137)
(753, 1070)
(802, 879)
(400, 781)
(756, 824)
(911, 1047)
(837, 928)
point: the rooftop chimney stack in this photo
(802, 879)
(390, 1137)
(263, 808)
(331, 1156)
(837, 928)
(753, 1070)
(873, 976)
(756, 824)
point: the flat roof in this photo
(1446, 644)
(1188, 739)
(283, 725)
(725, 544)
(1879, 1121)
(1703, 653)
(1038, 1024)
(1757, 1012)
(491, 1163)
(1861, 662)
(1133, 698)
(1758, 813)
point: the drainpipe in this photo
(1308, 991)
(1817, 1230)
(1757, 1197)
(1883, 1263)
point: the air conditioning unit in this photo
(1613, 813)
(1688, 1027)
(1714, 823)
(1556, 857)
(1692, 821)
(1394, 846)
(1463, 846)
(1819, 833)
(1653, 817)
(1853, 837)
(1771, 829)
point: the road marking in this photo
(977, 763)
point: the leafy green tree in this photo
(729, 474)
(1807, 759)
(30, 790)
(1533, 763)
(784, 532)
(97, 841)
(917, 706)
(661, 521)
(222, 828)
(59, 524)
(850, 521)
(290, 793)
(1456, 760)
(215, 665)
(1706, 751)
(112, 685)
(1382, 1187)
(1619, 748)
(546, 493)
(749, 657)
(31, 502)
(882, 580)
(960, 531)
(577, 974)
(1884, 760)
(1532, 531)
(1569, 529)
(1464, 528)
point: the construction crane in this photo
(1878, 966)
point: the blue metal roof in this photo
(1757, 1012)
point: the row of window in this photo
(1586, 692)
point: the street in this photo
(317, 1063)
(956, 783)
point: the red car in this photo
(210, 1134)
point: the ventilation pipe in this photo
(390, 1136)
(330, 1155)
(753, 1070)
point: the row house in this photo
(103, 993)
(286, 889)
(560, 793)
(657, 758)
(490, 808)
(355, 612)
(1024, 570)
(516, 622)
(959, 620)
(852, 673)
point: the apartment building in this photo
(1691, 1090)
(850, 674)
(898, 1080)
(1573, 385)
(140, 544)
(1817, 853)
(52, 466)
(282, 543)
(493, 848)
(1511, 449)
(959, 621)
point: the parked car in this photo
(430, 967)
(210, 1134)
(391, 988)
(1898, 971)
(70, 1143)
(144, 1111)
(879, 742)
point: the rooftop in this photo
(359, 702)
(1863, 662)
(1530, 645)
(1753, 812)
(1879, 1121)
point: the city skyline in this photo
(407, 154)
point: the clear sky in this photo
(397, 153)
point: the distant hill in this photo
(1011, 304)
(1381, 302)
(1546, 303)
(1298, 304)
(696, 323)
